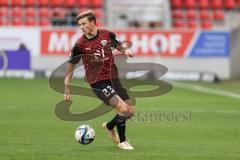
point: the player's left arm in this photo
(119, 47)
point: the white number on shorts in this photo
(107, 91)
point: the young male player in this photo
(96, 47)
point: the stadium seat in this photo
(206, 24)
(45, 12)
(83, 3)
(70, 3)
(30, 3)
(97, 3)
(58, 12)
(177, 4)
(99, 13)
(191, 14)
(217, 4)
(16, 12)
(3, 11)
(177, 14)
(204, 4)
(190, 4)
(56, 3)
(1, 21)
(30, 12)
(229, 4)
(192, 24)
(45, 22)
(17, 22)
(218, 15)
(43, 3)
(3, 2)
(17, 3)
(179, 24)
(238, 4)
(205, 15)
(31, 22)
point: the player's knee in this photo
(130, 111)
(123, 109)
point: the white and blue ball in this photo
(85, 134)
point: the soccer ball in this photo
(84, 134)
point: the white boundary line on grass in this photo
(207, 90)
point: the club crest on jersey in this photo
(104, 42)
(88, 49)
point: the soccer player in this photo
(97, 47)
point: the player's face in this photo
(86, 25)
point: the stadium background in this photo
(197, 40)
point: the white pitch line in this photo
(207, 90)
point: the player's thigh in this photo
(103, 90)
(121, 91)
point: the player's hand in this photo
(67, 97)
(129, 53)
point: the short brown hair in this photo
(90, 14)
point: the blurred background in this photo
(195, 39)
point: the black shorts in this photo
(106, 89)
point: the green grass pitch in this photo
(206, 126)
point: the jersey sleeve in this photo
(76, 55)
(115, 42)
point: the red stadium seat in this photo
(3, 2)
(3, 11)
(179, 24)
(177, 4)
(190, 4)
(30, 12)
(177, 14)
(218, 15)
(206, 24)
(43, 3)
(229, 4)
(16, 12)
(45, 22)
(205, 15)
(84, 3)
(17, 3)
(99, 13)
(58, 12)
(70, 3)
(238, 3)
(1, 22)
(30, 3)
(217, 4)
(31, 22)
(204, 4)
(45, 12)
(192, 24)
(191, 14)
(17, 22)
(97, 3)
(57, 3)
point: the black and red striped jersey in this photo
(96, 54)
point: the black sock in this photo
(111, 124)
(121, 127)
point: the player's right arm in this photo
(74, 59)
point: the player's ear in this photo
(92, 22)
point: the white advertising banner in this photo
(29, 37)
